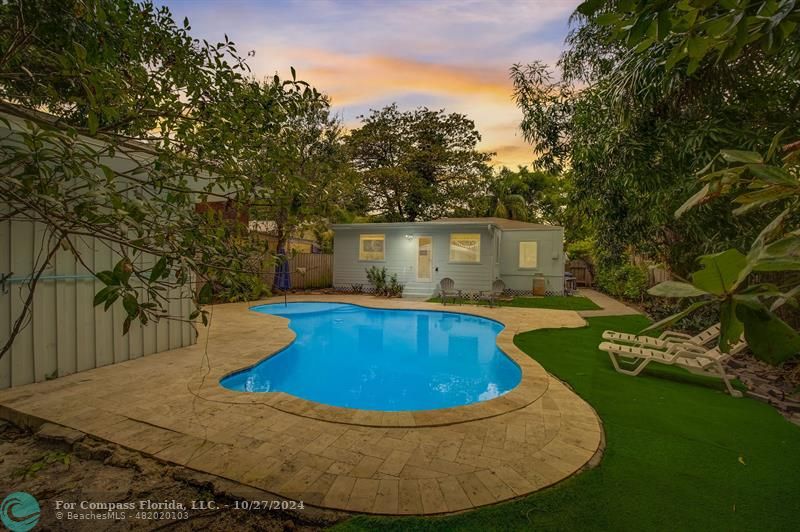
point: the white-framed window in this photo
(465, 247)
(371, 247)
(528, 254)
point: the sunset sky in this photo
(449, 54)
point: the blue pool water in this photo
(351, 356)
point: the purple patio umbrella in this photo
(283, 279)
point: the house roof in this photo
(47, 119)
(135, 151)
(500, 223)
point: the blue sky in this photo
(366, 54)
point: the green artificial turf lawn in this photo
(680, 454)
(549, 302)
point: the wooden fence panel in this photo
(658, 275)
(307, 271)
(581, 271)
(311, 270)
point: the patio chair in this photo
(570, 284)
(708, 362)
(447, 288)
(668, 340)
(495, 294)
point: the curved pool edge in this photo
(451, 469)
(534, 381)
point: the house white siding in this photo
(550, 259)
(499, 256)
(400, 258)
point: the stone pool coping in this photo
(533, 383)
(167, 406)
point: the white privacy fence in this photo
(66, 333)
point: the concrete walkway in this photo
(170, 406)
(608, 305)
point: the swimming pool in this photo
(392, 360)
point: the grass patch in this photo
(548, 302)
(680, 454)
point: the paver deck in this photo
(170, 405)
(608, 305)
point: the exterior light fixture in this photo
(409, 237)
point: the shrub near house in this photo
(384, 284)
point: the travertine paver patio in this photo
(608, 305)
(170, 405)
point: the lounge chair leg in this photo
(726, 380)
(634, 372)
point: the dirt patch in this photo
(90, 472)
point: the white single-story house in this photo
(474, 252)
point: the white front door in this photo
(424, 259)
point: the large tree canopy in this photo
(676, 90)
(301, 170)
(523, 194)
(418, 164)
(631, 133)
(126, 82)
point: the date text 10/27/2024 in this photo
(180, 506)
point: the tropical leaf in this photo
(590, 7)
(130, 304)
(206, 294)
(730, 327)
(772, 174)
(770, 338)
(741, 156)
(676, 289)
(695, 200)
(721, 272)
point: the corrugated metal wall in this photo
(66, 332)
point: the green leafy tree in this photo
(697, 33)
(301, 166)
(748, 306)
(693, 38)
(123, 81)
(418, 164)
(523, 194)
(631, 135)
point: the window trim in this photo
(450, 250)
(361, 238)
(519, 255)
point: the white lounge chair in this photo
(668, 340)
(708, 362)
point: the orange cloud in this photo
(350, 79)
(363, 81)
(512, 155)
